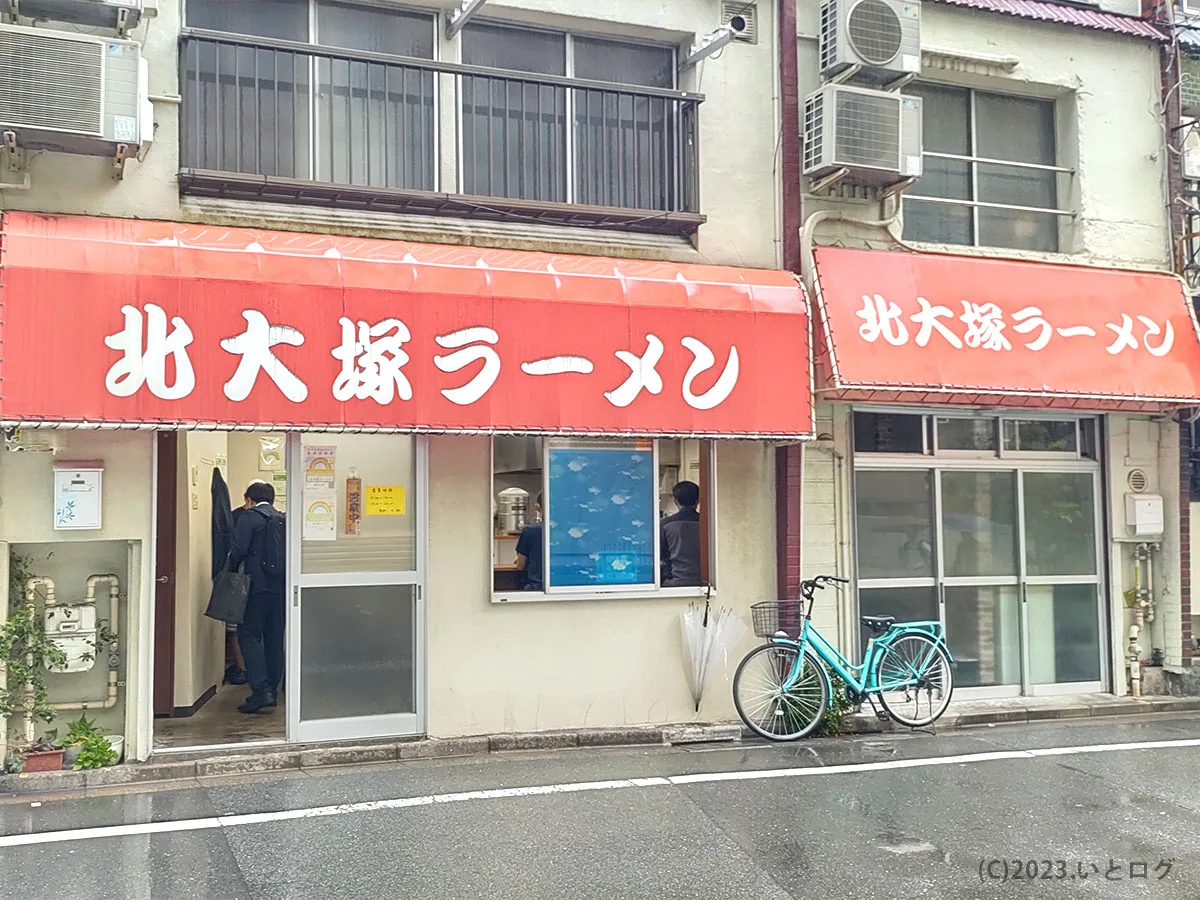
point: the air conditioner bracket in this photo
(119, 161)
(828, 181)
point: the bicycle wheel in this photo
(911, 675)
(761, 701)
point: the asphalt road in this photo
(966, 814)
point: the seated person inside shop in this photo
(679, 541)
(529, 552)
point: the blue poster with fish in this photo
(601, 516)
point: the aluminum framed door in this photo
(356, 624)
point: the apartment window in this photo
(600, 516)
(336, 111)
(991, 174)
(612, 147)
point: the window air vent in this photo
(1138, 482)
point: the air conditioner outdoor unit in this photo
(1191, 154)
(875, 134)
(73, 93)
(119, 15)
(883, 37)
(1189, 86)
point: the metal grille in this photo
(874, 31)
(868, 130)
(257, 106)
(814, 131)
(316, 116)
(1189, 86)
(47, 81)
(829, 34)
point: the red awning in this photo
(134, 323)
(915, 327)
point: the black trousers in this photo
(261, 638)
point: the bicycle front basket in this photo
(777, 615)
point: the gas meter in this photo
(73, 629)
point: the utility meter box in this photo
(1144, 514)
(73, 629)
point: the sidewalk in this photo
(164, 767)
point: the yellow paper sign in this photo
(385, 500)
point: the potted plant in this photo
(43, 755)
(78, 732)
(25, 654)
(95, 753)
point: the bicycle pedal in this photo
(882, 715)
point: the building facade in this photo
(414, 271)
(999, 418)
(441, 272)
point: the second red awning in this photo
(912, 326)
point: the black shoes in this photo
(234, 675)
(256, 703)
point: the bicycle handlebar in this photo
(821, 580)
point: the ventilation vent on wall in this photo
(1138, 482)
(748, 13)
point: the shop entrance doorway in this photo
(354, 652)
(199, 676)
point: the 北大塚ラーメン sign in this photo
(991, 331)
(120, 321)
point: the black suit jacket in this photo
(248, 547)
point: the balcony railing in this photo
(290, 121)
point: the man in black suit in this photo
(261, 632)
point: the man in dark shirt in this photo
(680, 539)
(529, 552)
(262, 630)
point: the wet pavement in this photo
(1057, 801)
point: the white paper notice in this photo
(319, 464)
(320, 513)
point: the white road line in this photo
(233, 821)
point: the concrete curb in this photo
(164, 768)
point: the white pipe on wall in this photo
(114, 596)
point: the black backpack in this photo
(274, 557)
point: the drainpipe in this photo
(1134, 654)
(114, 596)
(790, 143)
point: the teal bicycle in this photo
(782, 689)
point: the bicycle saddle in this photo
(878, 623)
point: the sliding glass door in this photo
(1004, 552)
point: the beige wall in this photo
(566, 664)
(26, 504)
(739, 184)
(199, 640)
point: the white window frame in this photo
(975, 204)
(930, 436)
(616, 592)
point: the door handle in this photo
(296, 596)
(163, 579)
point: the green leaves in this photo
(96, 753)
